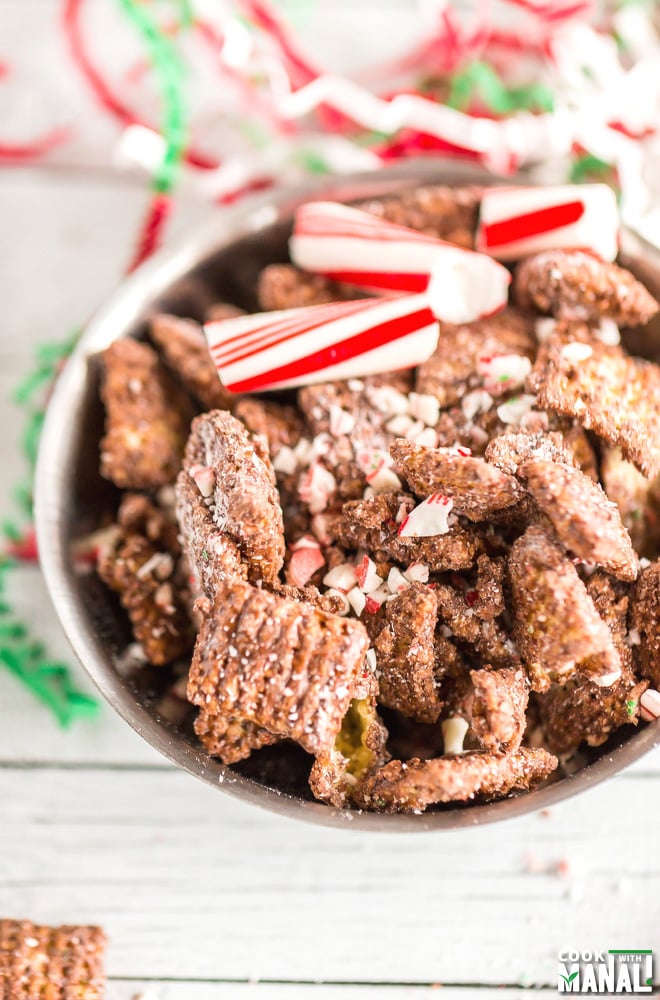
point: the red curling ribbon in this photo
(104, 94)
(150, 237)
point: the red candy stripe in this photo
(521, 227)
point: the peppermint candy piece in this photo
(349, 245)
(336, 340)
(431, 517)
(518, 222)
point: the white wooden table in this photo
(203, 897)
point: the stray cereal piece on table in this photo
(478, 490)
(147, 418)
(496, 707)
(413, 785)
(286, 666)
(447, 213)
(556, 626)
(606, 391)
(283, 286)
(405, 655)
(645, 619)
(227, 501)
(54, 963)
(182, 345)
(581, 711)
(586, 522)
(140, 562)
(574, 285)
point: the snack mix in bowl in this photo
(406, 517)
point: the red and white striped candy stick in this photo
(517, 222)
(349, 245)
(337, 340)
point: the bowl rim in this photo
(124, 307)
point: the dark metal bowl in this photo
(221, 262)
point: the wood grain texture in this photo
(192, 884)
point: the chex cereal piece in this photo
(606, 391)
(359, 749)
(575, 285)
(581, 711)
(486, 635)
(517, 221)
(577, 441)
(147, 418)
(139, 562)
(221, 310)
(451, 371)
(446, 213)
(235, 497)
(213, 555)
(230, 739)
(283, 286)
(414, 785)
(586, 522)
(182, 344)
(478, 490)
(53, 963)
(509, 451)
(405, 655)
(487, 598)
(629, 490)
(645, 619)
(286, 666)
(496, 707)
(371, 524)
(556, 626)
(280, 425)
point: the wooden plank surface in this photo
(202, 896)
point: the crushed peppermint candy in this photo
(285, 460)
(575, 352)
(367, 576)
(424, 407)
(316, 487)
(544, 328)
(400, 425)
(342, 577)
(396, 581)
(303, 565)
(204, 478)
(341, 421)
(305, 542)
(476, 402)
(423, 435)
(345, 605)
(502, 372)
(608, 332)
(515, 410)
(357, 600)
(319, 525)
(633, 638)
(649, 705)
(387, 399)
(454, 731)
(371, 659)
(417, 573)
(431, 517)
(383, 479)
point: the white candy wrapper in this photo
(517, 222)
(337, 340)
(346, 244)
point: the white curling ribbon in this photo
(337, 340)
(517, 222)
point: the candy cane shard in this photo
(349, 245)
(517, 222)
(336, 340)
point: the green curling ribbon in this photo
(170, 72)
(479, 79)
